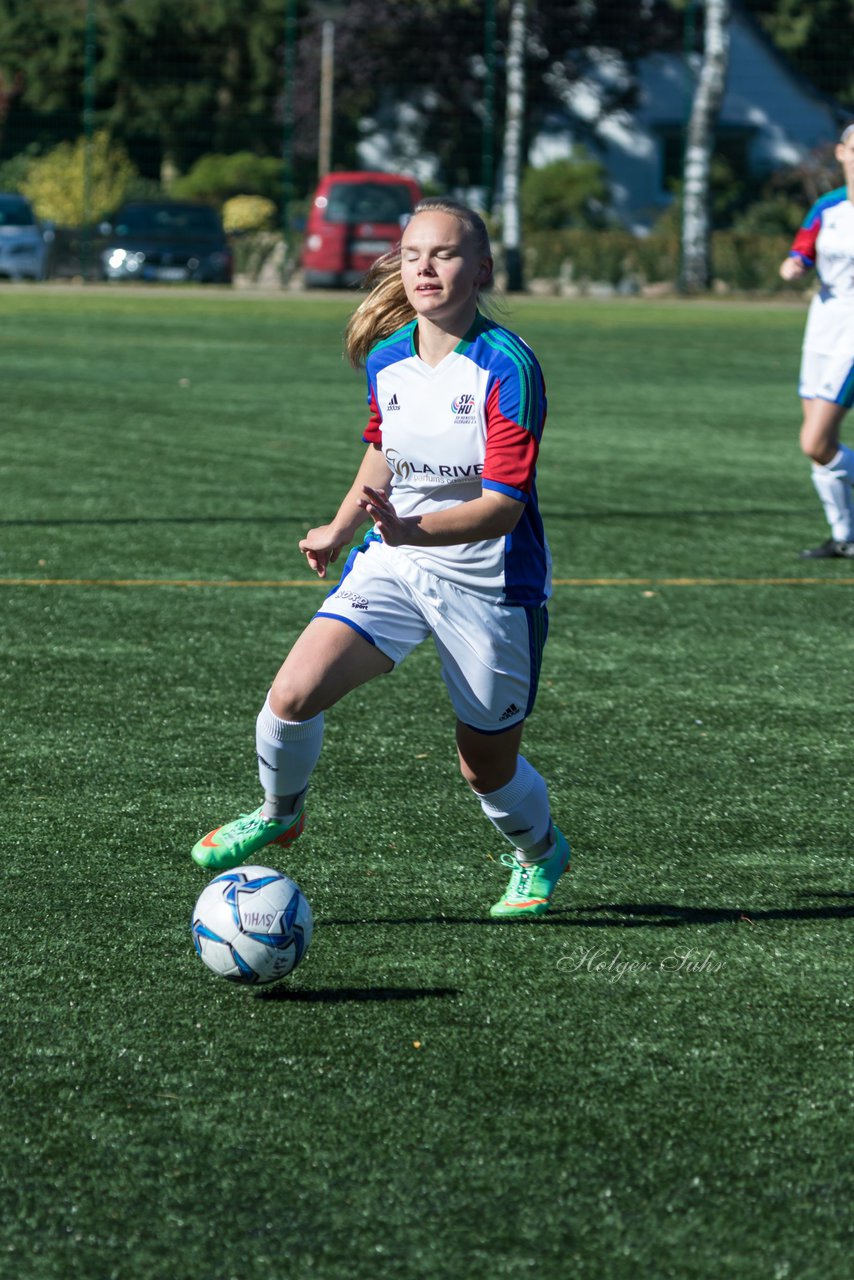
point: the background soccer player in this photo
(826, 242)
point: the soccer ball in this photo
(252, 925)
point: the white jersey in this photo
(447, 433)
(826, 242)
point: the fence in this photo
(102, 102)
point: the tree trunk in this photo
(513, 130)
(696, 270)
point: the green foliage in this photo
(248, 213)
(609, 257)
(816, 37)
(776, 214)
(566, 193)
(263, 255)
(56, 182)
(741, 260)
(13, 172)
(751, 261)
(220, 177)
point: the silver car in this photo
(24, 241)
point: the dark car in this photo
(166, 240)
(354, 218)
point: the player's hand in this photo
(320, 547)
(393, 529)
(793, 269)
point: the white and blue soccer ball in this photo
(252, 925)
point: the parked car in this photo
(165, 240)
(354, 219)
(24, 241)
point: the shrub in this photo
(256, 250)
(248, 213)
(740, 260)
(603, 256)
(55, 182)
(219, 177)
(13, 172)
(745, 260)
(565, 193)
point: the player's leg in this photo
(366, 626)
(827, 393)
(328, 660)
(514, 797)
(832, 475)
(491, 657)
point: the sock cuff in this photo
(840, 466)
(511, 795)
(279, 730)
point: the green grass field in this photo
(651, 1083)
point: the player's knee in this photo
(816, 444)
(486, 774)
(290, 700)
(469, 774)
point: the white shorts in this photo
(490, 654)
(827, 359)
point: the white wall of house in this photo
(769, 112)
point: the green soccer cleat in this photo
(832, 549)
(530, 889)
(239, 841)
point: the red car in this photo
(354, 219)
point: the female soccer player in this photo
(826, 242)
(456, 551)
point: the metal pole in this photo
(288, 68)
(327, 76)
(88, 133)
(487, 176)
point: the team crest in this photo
(463, 408)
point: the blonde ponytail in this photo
(386, 308)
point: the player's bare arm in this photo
(492, 515)
(322, 545)
(793, 269)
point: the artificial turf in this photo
(651, 1082)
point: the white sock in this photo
(520, 811)
(833, 484)
(287, 750)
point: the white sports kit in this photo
(826, 242)
(448, 433)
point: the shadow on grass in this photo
(346, 995)
(665, 915)
(636, 915)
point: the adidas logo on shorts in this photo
(512, 710)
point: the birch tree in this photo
(708, 95)
(513, 137)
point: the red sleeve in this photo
(803, 245)
(373, 433)
(511, 452)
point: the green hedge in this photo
(740, 260)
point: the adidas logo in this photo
(392, 404)
(512, 710)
